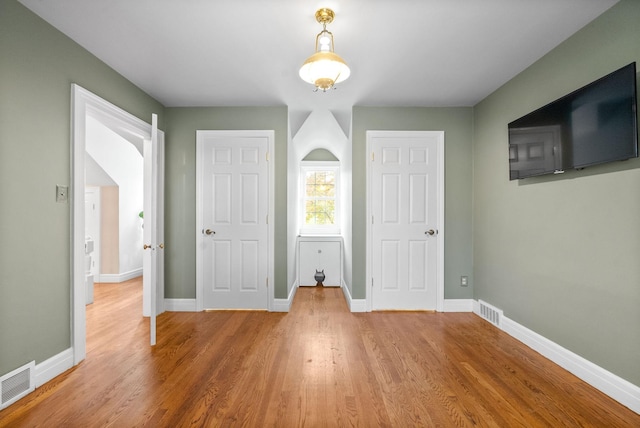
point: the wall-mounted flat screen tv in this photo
(592, 125)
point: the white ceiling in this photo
(248, 52)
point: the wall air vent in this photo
(490, 313)
(17, 384)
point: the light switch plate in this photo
(62, 193)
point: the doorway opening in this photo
(114, 193)
(87, 111)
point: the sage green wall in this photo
(38, 64)
(180, 188)
(561, 254)
(457, 125)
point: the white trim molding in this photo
(40, 374)
(180, 305)
(284, 305)
(458, 305)
(355, 305)
(119, 277)
(610, 384)
(54, 366)
(614, 386)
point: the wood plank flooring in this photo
(317, 366)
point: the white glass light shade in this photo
(324, 69)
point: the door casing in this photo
(84, 103)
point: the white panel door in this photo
(404, 224)
(153, 231)
(233, 230)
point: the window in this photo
(320, 197)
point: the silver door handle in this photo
(431, 232)
(210, 232)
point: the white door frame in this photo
(83, 104)
(270, 135)
(440, 220)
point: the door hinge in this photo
(373, 156)
(267, 282)
(371, 282)
(267, 156)
(267, 219)
(371, 219)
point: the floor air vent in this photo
(490, 313)
(17, 384)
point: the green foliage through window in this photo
(320, 194)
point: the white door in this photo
(233, 208)
(405, 219)
(153, 231)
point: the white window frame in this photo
(306, 166)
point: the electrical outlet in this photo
(464, 281)
(62, 193)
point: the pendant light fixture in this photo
(324, 68)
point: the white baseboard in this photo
(458, 305)
(118, 277)
(54, 366)
(284, 305)
(355, 305)
(610, 384)
(189, 305)
(180, 305)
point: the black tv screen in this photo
(592, 125)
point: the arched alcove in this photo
(320, 141)
(320, 155)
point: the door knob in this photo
(210, 232)
(146, 247)
(430, 232)
(161, 246)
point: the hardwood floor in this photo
(319, 365)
